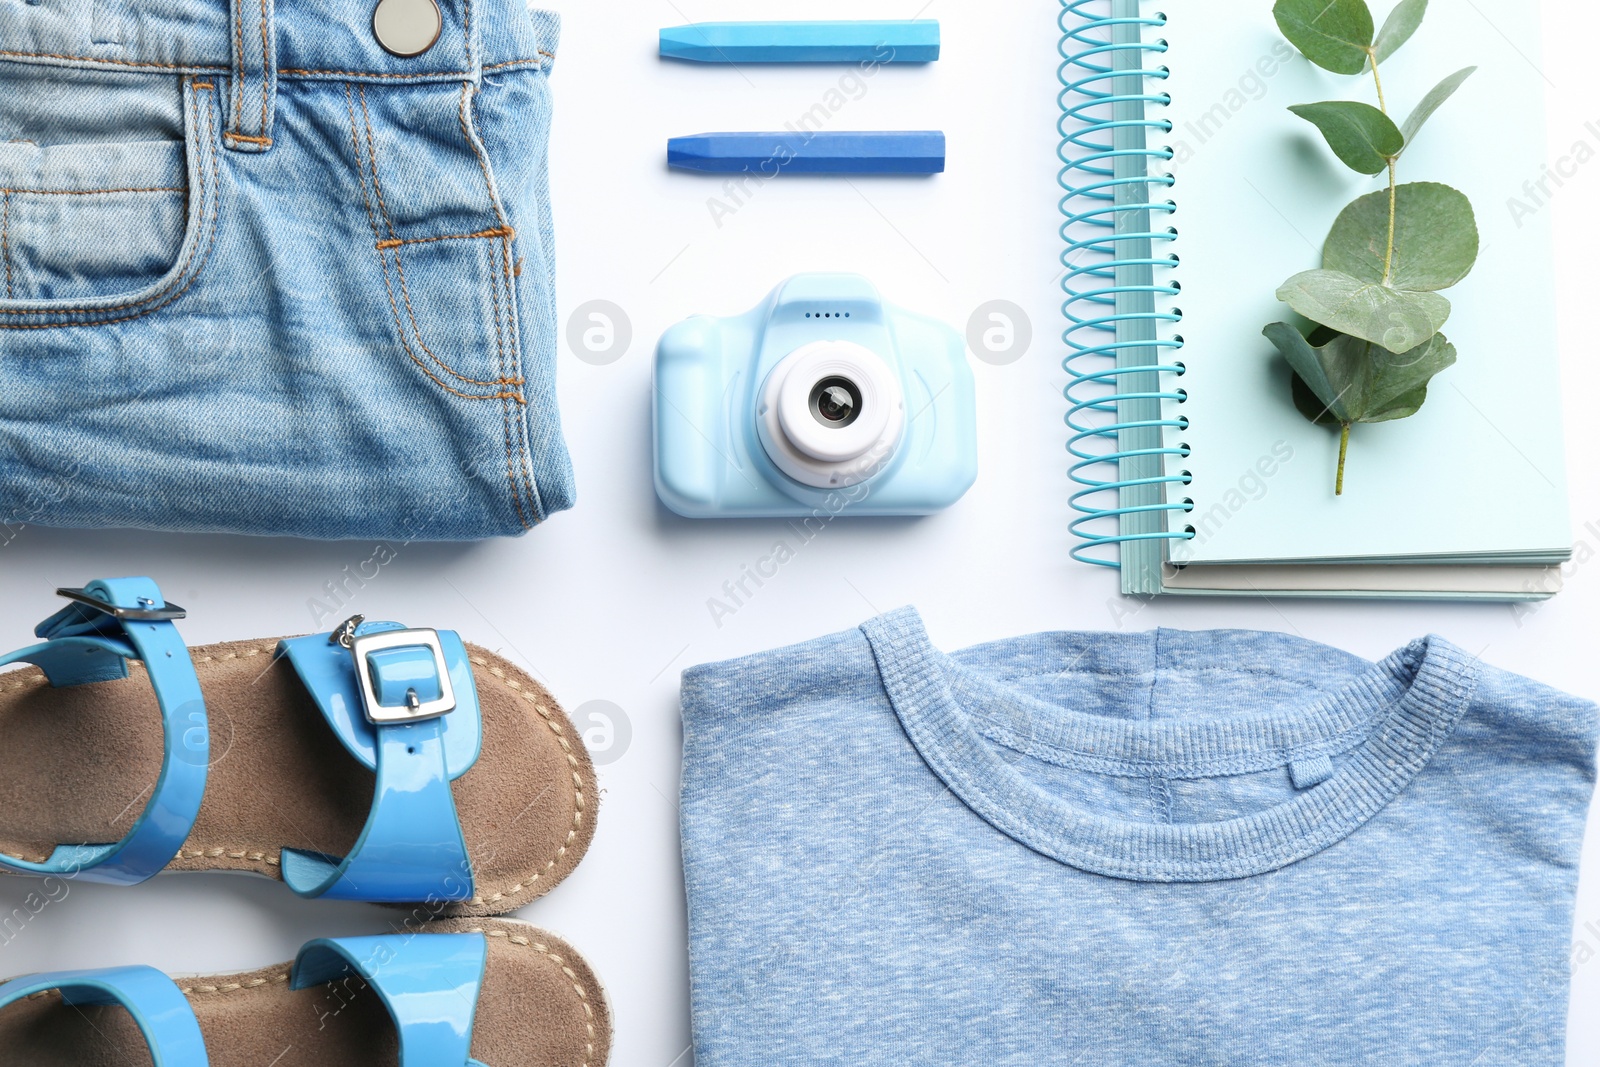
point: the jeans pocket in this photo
(442, 238)
(95, 229)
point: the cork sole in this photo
(540, 1006)
(77, 765)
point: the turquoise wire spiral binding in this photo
(1108, 266)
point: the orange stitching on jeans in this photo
(355, 145)
(520, 62)
(237, 15)
(399, 264)
(5, 235)
(245, 137)
(499, 330)
(411, 313)
(152, 297)
(516, 368)
(481, 151)
(203, 85)
(400, 268)
(115, 307)
(438, 75)
(296, 72)
(505, 409)
(483, 164)
(372, 163)
(266, 68)
(216, 211)
(396, 242)
(114, 62)
(361, 183)
(96, 192)
(361, 172)
(293, 72)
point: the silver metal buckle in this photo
(415, 710)
(147, 612)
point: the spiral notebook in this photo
(1192, 193)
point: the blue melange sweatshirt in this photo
(1171, 848)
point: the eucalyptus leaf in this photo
(1398, 27)
(1308, 404)
(1435, 240)
(1406, 404)
(1363, 138)
(1333, 34)
(1322, 401)
(1353, 380)
(1397, 319)
(1430, 103)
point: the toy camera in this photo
(823, 399)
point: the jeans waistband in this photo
(267, 40)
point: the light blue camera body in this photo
(822, 400)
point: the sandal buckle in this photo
(145, 612)
(414, 709)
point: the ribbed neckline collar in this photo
(1387, 722)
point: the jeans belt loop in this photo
(252, 97)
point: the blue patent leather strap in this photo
(411, 848)
(156, 1004)
(429, 983)
(84, 645)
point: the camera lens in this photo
(835, 402)
(830, 414)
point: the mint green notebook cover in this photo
(1477, 476)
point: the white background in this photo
(609, 601)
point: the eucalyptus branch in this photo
(1374, 302)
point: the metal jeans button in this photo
(406, 28)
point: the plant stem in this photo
(1344, 447)
(1388, 251)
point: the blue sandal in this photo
(455, 782)
(495, 993)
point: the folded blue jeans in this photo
(263, 276)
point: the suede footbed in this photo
(78, 763)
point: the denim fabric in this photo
(1169, 848)
(262, 276)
